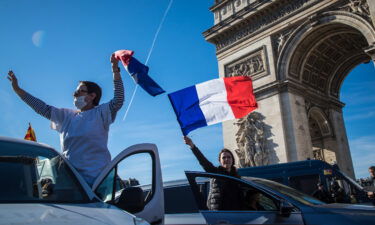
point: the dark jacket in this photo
(322, 195)
(222, 195)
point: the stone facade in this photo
(298, 52)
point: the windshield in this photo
(288, 191)
(31, 173)
(351, 181)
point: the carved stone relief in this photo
(251, 150)
(359, 7)
(279, 39)
(254, 65)
(251, 137)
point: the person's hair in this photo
(372, 168)
(227, 150)
(93, 88)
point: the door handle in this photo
(222, 222)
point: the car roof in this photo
(23, 141)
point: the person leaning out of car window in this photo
(222, 195)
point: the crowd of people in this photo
(336, 194)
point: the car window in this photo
(305, 183)
(133, 171)
(179, 199)
(226, 194)
(31, 173)
(288, 191)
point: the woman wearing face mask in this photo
(84, 131)
(222, 195)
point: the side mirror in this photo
(131, 200)
(285, 208)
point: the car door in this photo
(248, 203)
(122, 183)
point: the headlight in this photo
(140, 221)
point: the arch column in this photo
(371, 4)
(371, 52)
(344, 159)
(297, 132)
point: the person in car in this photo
(222, 195)
(321, 194)
(337, 193)
(84, 131)
(252, 201)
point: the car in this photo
(39, 186)
(305, 175)
(278, 204)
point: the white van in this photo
(38, 186)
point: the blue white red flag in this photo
(213, 102)
(139, 72)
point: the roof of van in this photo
(290, 165)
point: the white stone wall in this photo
(297, 132)
(271, 110)
(270, 107)
(246, 50)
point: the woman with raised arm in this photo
(83, 131)
(222, 195)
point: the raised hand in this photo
(13, 79)
(115, 68)
(114, 62)
(188, 141)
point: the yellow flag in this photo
(30, 134)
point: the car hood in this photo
(343, 214)
(56, 214)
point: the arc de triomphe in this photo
(298, 53)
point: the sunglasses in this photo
(77, 92)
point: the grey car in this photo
(277, 204)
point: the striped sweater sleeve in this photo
(37, 105)
(118, 99)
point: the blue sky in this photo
(51, 45)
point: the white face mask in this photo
(80, 102)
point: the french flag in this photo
(139, 72)
(213, 102)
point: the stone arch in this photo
(321, 135)
(292, 37)
(317, 57)
(322, 121)
(298, 51)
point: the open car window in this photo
(133, 171)
(133, 182)
(229, 194)
(31, 173)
